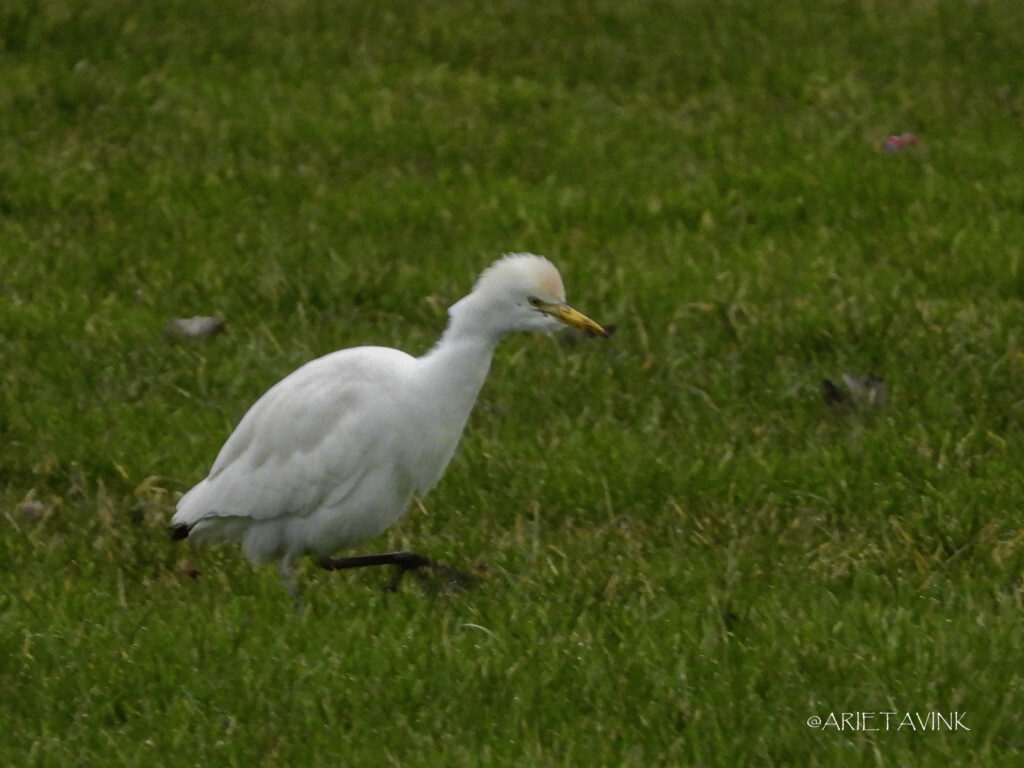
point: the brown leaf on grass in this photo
(187, 570)
(197, 327)
(32, 510)
(868, 391)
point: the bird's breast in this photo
(434, 441)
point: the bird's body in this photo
(331, 455)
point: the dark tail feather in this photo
(179, 532)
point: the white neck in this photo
(455, 369)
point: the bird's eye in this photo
(534, 301)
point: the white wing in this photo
(313, 436)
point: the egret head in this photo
(524, 292)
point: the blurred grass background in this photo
(687, 553)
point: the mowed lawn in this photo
(686, 553)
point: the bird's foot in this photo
(404, 561)
(452, 579)
(407, 561)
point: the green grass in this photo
(687, 554)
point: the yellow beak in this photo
(572, 317)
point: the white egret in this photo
(331, 455)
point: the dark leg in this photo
(404, 560)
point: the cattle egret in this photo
(331, 455)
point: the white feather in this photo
(331, 455)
